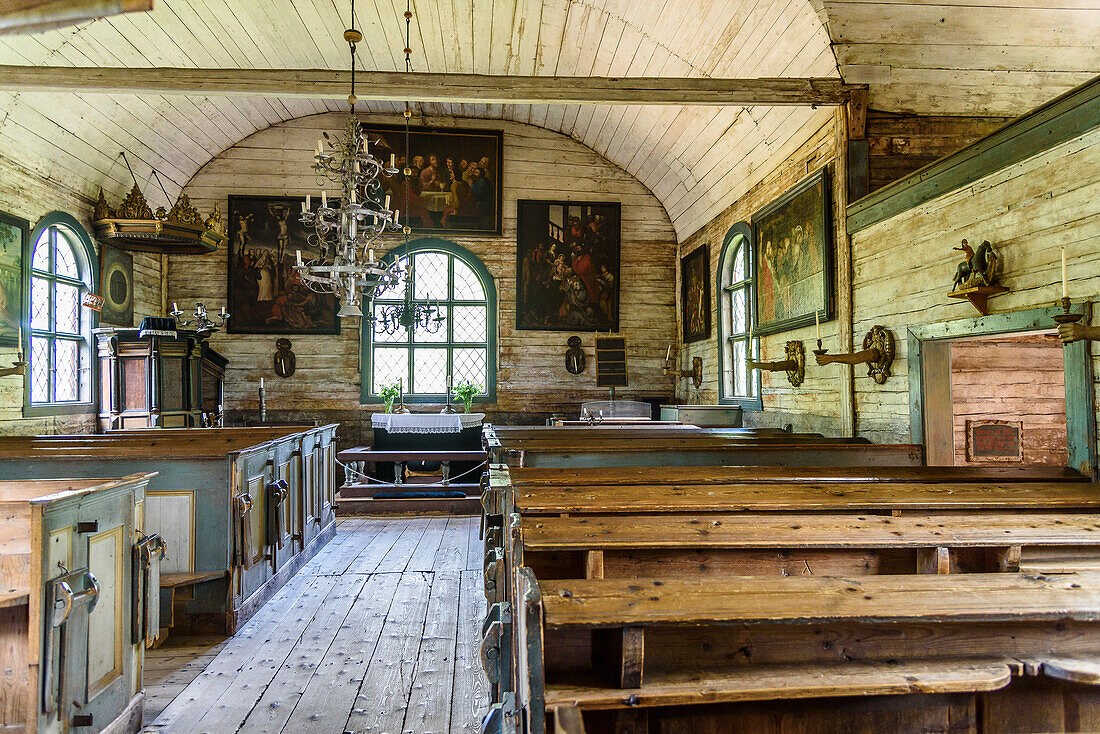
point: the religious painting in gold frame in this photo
(695, 295)
(793, 257)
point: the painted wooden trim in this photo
(1080, 412)
(745, 230)
(492, 307)
(70, 223)
(1061, 119)
(432, 87)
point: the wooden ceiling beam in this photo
(34, 16)
(468, 88)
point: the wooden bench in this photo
(76, 607)
(247, 505)
(401, 496)
(740, 654)
(639, 446)
(708, 546)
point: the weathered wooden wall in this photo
(815, 405)
(31, 190)
(900, 144)
(903, 266)
(531, 381)
(1012, 380)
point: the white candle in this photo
(324, 199)
(223, 311)
(298, 255)
(396, 215)
(387, 204)
(355, 166)
(1065, 276)
(668, 353)
(175, 306)
(261, 383)
(353, 196)
(371, 251)
(304, 207)
(393, 161)
(817, 321)
(309, 204)
(320, 147)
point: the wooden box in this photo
(73, 603)
(156, 381)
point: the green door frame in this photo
(1080, 412)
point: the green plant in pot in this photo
(465, 392)
(390, 393)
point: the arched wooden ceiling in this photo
(696, 160)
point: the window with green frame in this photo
(464, 347)
(62, 269)
(736, 294)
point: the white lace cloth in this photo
(426, 422)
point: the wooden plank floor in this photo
(377, 634)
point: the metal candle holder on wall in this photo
(794, 365)
(695, 373)
(877, 354)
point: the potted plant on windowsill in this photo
(390, 393)
(465, 392)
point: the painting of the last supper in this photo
(568, 266)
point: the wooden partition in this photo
(240, 509)
(76, 608)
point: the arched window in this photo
(62, 269)
(464, 346)
(736, 291)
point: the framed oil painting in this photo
(455, 186)
(265, 297)
(695, 294)
(567, 266)
(116, 271)
(793, 253)
(14, 233)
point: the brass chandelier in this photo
(345, 231)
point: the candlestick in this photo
(1065, 276)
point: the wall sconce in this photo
(695, 373)
(877, 354)
(1069, 330)
(18, 367)
(794, 365)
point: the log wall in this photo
(532, 381)
(903, 266)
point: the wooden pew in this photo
(639, 446)
(710, 546)
(248, 505)
(76, 607)
(868, 654)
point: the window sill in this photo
(48, 409)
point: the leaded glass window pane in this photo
(66, 375)
(735, 320)
(431, 276)
(469, 323)
(40, 304)
(40, 259)
(470, 365)
(390, 365)
(738, 273)
(40, 370)
(67, 309)
(467, 287)
(65, 259)
(430, 371)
